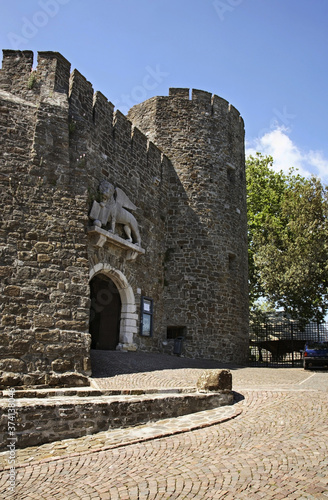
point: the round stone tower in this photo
(206, 256)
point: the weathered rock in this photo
(12, 365)
(43, 257)
(43, 247)
(34, 379)
(8, 319)
(62, 365)
(214, 381)
(10, 379)
(43, 321)
(12, 291)
(5, 271)
(68, 380)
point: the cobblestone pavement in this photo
(274, 447)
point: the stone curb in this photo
(177, 425)
(85, 393)
(62, 418)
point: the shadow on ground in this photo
(237, 397)
(111, 363)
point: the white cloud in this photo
(286, 154)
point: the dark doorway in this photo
(105, 313)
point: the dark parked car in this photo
(315, 354)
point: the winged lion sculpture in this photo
(115, 206)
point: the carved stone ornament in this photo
(114, 209)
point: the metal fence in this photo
(279, 344)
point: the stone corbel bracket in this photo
(100, 237)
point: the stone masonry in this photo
(206, 273)
(180, 161)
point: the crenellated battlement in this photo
(18, 76)
(16, 70)
(87, 111)
(53, 72)
(180, 122)
(214, 105)
(52, 75)
(81, 96)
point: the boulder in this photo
(214, 381)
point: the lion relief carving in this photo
(114, 209)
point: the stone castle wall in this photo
(59, 141)
(207, 270)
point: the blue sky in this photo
(267, 57)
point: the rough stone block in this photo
(214, 380)
(71, 325)
(64, 313)
(21, 347)
(43, 247)
(131, 347)
(34, 379)
(10, 379)
(12, 291)
(8, 319)
(62, 365)
(23, 323)
(43, 321)
(43, 336)
(26, 256)
(70, 379)
(43, 257)
(5, 271)
(12, 365)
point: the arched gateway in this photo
(105, 313)
(113, 318)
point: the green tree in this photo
(288, 240)
(265, 191)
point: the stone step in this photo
(38, 420)
(90, 392)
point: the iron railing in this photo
(279, 344)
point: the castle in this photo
(118, 232)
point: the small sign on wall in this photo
(146, 321)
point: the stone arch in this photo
(128, 323)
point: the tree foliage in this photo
(288, 240)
